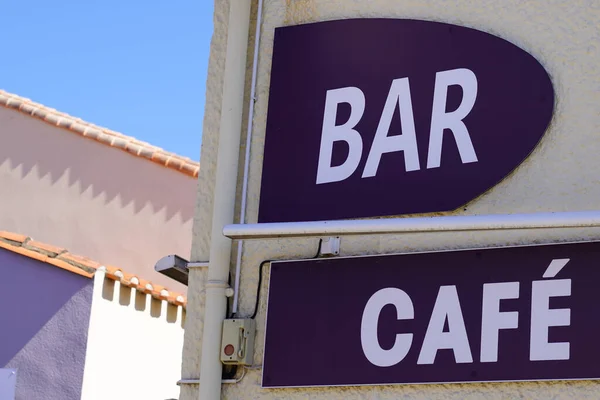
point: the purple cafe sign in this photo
(502, 314)
(379, 117)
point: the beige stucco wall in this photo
(560, 175)
(94, 200)
(134, 344)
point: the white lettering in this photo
(447, 311)
(368, 331)
(542, 317)
(406, 142)
(492, 320)
(441, 120)
(447, 306)
(333, 133)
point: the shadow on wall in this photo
(33, 146)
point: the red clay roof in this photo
(61, 258)
(99, 134)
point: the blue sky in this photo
(137, 67)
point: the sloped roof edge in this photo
(83, 266)
(99, 134)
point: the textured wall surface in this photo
(204, 199)
(94, 200)
(560, 175)
(134, 345)
(44, 318)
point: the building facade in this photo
(75, 329)
(92, 190)
(559, 175)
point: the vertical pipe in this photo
(238, 261)
(224, 196)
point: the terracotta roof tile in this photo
(79, 261)
(49, 250)
(14, 237)
(61, 258)
(102, 135)
(145, 286)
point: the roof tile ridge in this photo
(13, 239)
(57, 117)
(78, 261)
(43, 248)
(101, 134)
(62, 258)
(47, 252)
(25, 249)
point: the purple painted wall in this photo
(44, 315)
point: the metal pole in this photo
(238, 261)
(550, 220)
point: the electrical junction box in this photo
(237, 343)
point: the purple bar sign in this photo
(380, 117)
